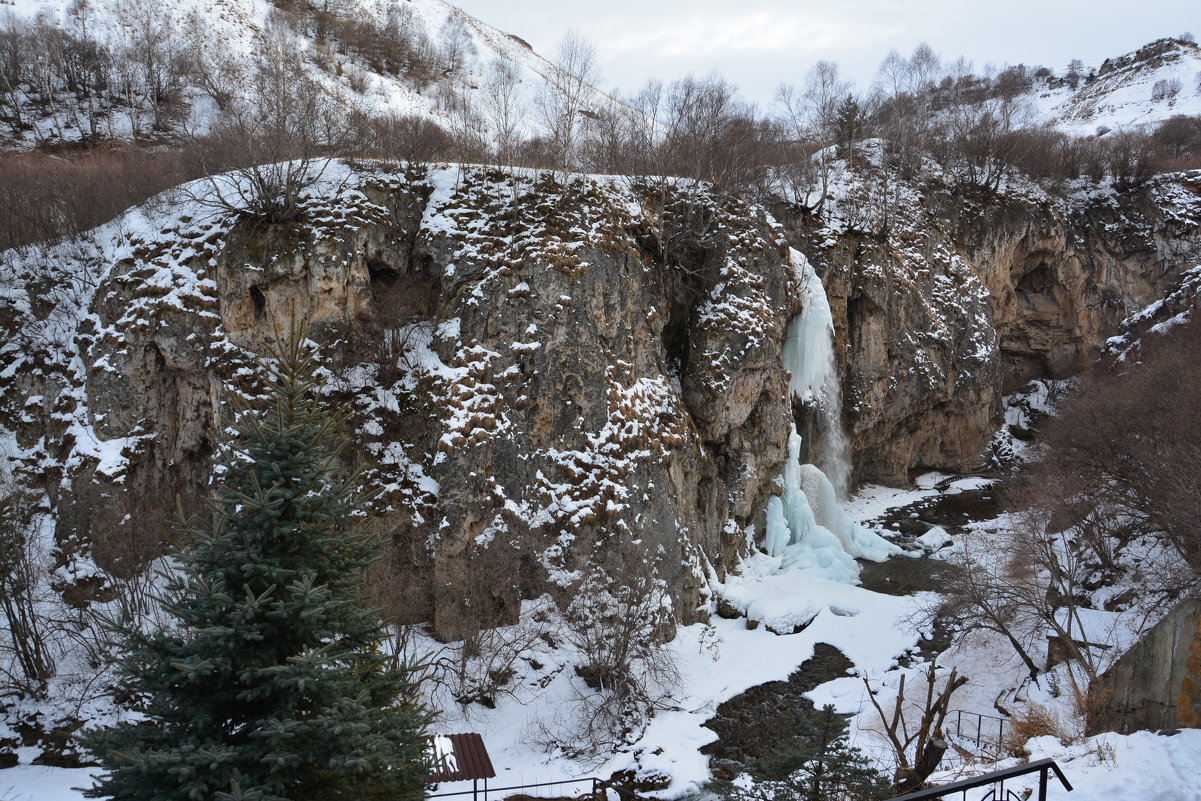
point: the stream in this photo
(753, 724)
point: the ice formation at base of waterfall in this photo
(808, 529)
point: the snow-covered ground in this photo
(722, 658)
(1140, 89)
(231, 33)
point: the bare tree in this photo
(564, 99)
(404, 138)
(978, 144)
(905, 91)
(977, 594)
(152, 60)
(1075, 73)
(813, 116)
(15, 42)
(1128, 158)
(620, 628)
(647, 131)
(214, 68)
(27, 635)
(1124, 446)
(713, 135)
(1113, 498)
(504, 109)
(86, 65)
(915, 728)
(1178, 139)
(273, 140)
(456, 47)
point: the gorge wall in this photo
(945, 299)
(553, 379)
(550, 378)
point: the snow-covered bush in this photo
(1000, 448)
(620, 629)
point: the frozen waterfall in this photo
(806, 526)
(809, 357)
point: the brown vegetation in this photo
(1121, 458)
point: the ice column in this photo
(809, 357)
(810, 531)
(806, 526)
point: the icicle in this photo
(778, 534)
(808, 529)
(809, 357)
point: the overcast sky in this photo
(757, 44)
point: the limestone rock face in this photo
(1063, 276)
(943, 300)
(548, 378)
(609, 389)
(553, 379)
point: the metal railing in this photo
(475, 792)
(996, 781)
(977, 728)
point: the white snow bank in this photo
(861, 624)
(40, 783)
(935, 538)
(1114, 767)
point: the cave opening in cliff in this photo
(399, 297)
(682, 296)
(260, 302)
(675, 336)
(1039, 280)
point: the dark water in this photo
(951, 511)
(763, 718)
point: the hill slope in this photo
(135, 68)
(1139, 89)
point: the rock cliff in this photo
(552, 378)
(546, 376)
(945, 298)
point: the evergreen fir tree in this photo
(820, 765)
(848, 122)
(273, 686)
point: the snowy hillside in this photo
(420, 58)
(1139, 89)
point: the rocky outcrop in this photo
(548, 377)
(1063, 275)
(1157, 683)
(945, 299)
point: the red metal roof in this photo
(465, 759)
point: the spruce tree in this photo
(272, 686)
(819, 765)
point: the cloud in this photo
(734, 31)
(759, 43)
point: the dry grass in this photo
(1035, 720)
